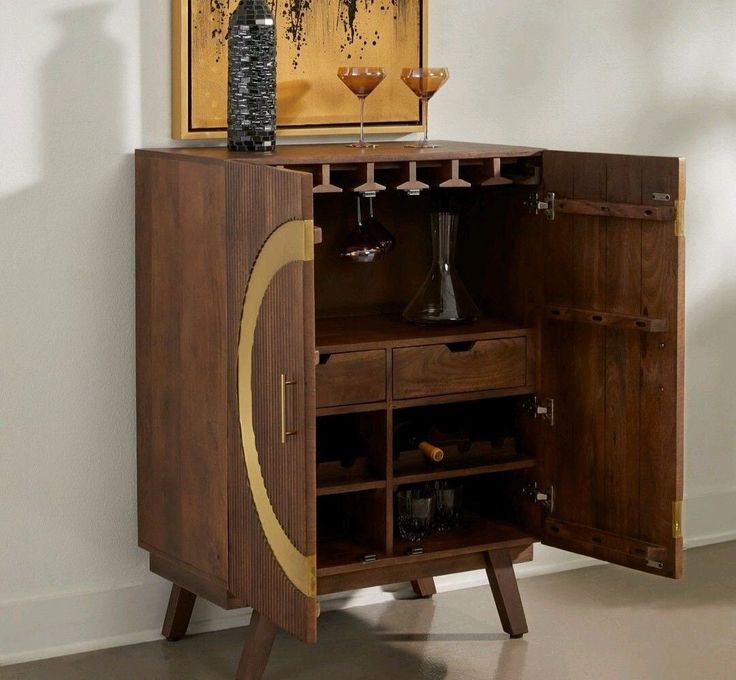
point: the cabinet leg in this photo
(178, 613)
(500, 570)
(424, 587)
(257, 648)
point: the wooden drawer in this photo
(351, 378)
(459, 367)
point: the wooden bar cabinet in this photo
(271, 373)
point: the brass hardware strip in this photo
(284, 432)
(291, 242)
(680, 218)
(676, 519)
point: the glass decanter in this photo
(442, 298)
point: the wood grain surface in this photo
(181, 362)
(351, 378)
(443, 369)
(260, 199)
(615, 454)
(318, 154)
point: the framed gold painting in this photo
(314, 38)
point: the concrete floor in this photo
(602, 623)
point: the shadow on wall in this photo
(711, 376)
(68, 325)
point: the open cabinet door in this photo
(612, 358)
(272, 453)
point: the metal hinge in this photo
(534, 204)
(545, 498)
(676, 519)
(541, 409)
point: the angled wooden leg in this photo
(178, 613)
(500, 570)
(257, 648)
(424, 587)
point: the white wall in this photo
(86, 82)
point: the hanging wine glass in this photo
(377, 230)
(424, 83)
(360, 245)
(361, 81)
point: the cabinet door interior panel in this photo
(615, 456)
(262, 201)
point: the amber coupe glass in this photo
(361, 81)
(424, 83)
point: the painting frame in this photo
(182, 128)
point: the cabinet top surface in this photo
(310, 154)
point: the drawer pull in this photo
(284, 431)
(463, 346)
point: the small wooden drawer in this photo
(351, 378)
(459, 367)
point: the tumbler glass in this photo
(415, 513)
(448, 502)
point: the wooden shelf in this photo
(463, 396)
(333, 478)
(352, 408)
(350, 485)
(342, 334)
(417, 470)
(334, 554)
(474, 535)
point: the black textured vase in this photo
(251, 78)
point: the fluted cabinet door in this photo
(272, 441)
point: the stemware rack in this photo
(415, 176)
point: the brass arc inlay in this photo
(291, 242)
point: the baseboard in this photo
(710, 517)
(79, 622)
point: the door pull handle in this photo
(285, 432)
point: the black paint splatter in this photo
(347, 19)
(292, 16)
(217, 20)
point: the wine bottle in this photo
(409, 437)
(434, 453)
